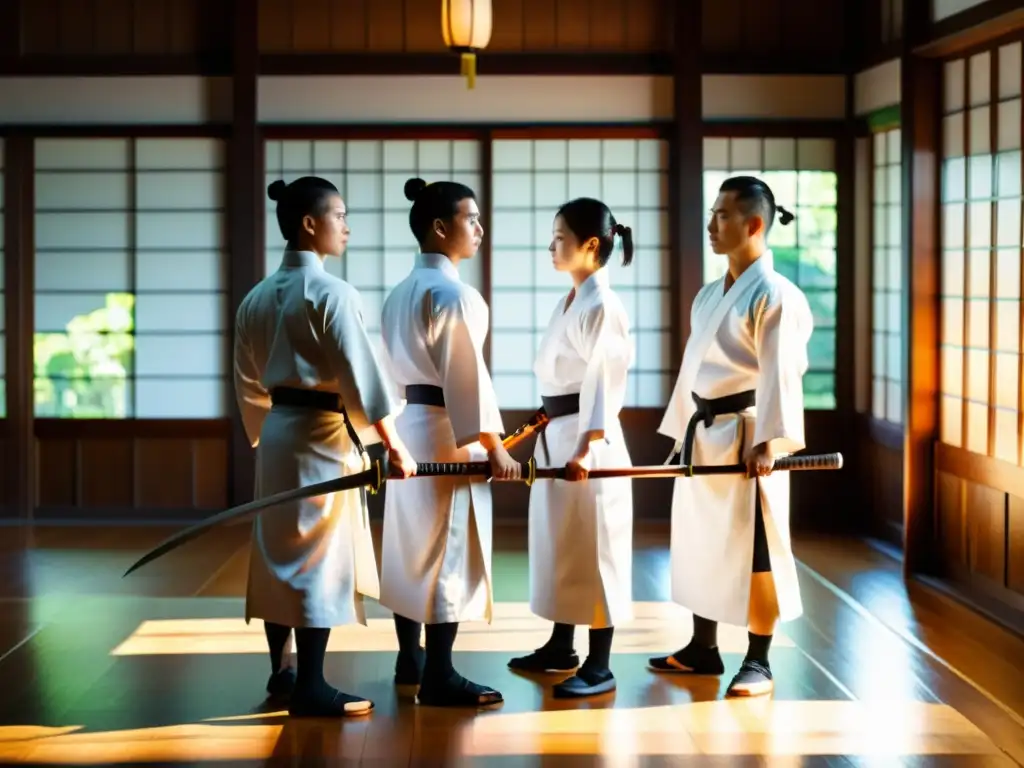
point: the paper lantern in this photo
(466, 27)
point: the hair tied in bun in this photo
(276, 190)
(413, 187)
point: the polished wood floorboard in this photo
(159, 668)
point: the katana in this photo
(374, 478)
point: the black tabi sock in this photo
(757, 649)
(311, 645)
(440, 640)
(408, 632)
(563, 636)
(600, 653)
(705, 632)
(277, 638)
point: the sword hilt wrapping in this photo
(819, 461)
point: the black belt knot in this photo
(554, 407)
(710, 408)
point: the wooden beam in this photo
(245, 214)
(979, 25)
(217, 63)
(19, 295)
(685, 182)
(210, 64)
(921, 85)
(10, 26)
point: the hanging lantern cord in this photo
(468, 66)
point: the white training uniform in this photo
(752, 337)
(581, 533)
(312, 561)
(436, 552)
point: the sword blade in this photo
(346, 483)
(372, 479)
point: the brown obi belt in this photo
(424, 394)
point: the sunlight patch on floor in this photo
(733, 727)
(721, 728)
(657, 627)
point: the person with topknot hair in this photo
(738, 398)
(436, 549)
(307, 381)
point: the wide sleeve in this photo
(252, 397)
(362, 383)
(782, 331)
(602, 339)
(469, 395)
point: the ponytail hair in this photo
(587, 218)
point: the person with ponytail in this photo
(738, 398)
(306, 381)
(436, 548)
(581, 533)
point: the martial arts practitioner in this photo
(738, 398)
(306, 379)
(581, 533)
(436, 551)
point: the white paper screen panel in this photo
(887, 278)
(982, 241)
(801, 174)
(131, 315)
(371, 176)
(531, 179)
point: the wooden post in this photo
(921, 88)
(245, 213)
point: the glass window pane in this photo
(131, 277)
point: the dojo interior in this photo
(137, 139)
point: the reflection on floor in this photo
(160, 667)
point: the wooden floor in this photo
(159, 668)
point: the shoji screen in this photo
(531, 179)
(801, 174)
(131, 312)
(371, 177)
(981, 253)
(887, 279)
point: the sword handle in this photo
(817, 461)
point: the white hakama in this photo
(581, 533)
(752, 337)
(312, 561)
(436, 552)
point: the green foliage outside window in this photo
(85, 372)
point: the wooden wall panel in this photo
(980, 529)
(5, 457)
(124, 27)
(414, 26)
(771, 27)
(1015, 545)
(881, 495)
(131, 469)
